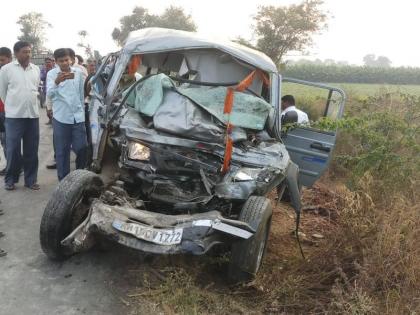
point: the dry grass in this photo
(368, 263)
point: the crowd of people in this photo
(60, 85)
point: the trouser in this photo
(88, 135)
(67, 137)
(3, 132)
(42, 98)
(22, 133)
(3, 142)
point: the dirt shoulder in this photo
(197, 285)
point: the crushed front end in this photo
(125, 220)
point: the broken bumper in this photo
(147, 231)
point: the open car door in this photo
(311, 149)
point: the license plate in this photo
(157, 236)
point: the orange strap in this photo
(228, 106)
(228, 149)
(242, 86)
(227, 109)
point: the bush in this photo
(380, 154)
(371, 264)
(381, 136)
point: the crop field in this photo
(352, 90)
(312, 100)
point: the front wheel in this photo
(67, 208)
(247, 255)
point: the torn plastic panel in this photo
(293, 186)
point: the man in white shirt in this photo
(19, 82)
(288, 105)
(65, 87)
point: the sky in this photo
(355, 28)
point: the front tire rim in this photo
(80, 212)
(81, 207)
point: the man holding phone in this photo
(65, 87)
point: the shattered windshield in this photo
(159, 92)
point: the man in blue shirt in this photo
(65, 87)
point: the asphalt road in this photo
(91, 283)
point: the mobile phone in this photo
(70, 75)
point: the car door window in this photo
(315, 102)
(309, 147)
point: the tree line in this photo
(353, 74)
(275, 30)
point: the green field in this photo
(312, 100)
(351, 89)
(373, 89)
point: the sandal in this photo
(2, 253)
(1, 211)
(2, 234)
(33, 186)
(9, 186)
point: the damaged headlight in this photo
(246, 174)
(258, 174)
(137, 151)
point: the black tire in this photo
(247, 255)
(67, 208)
